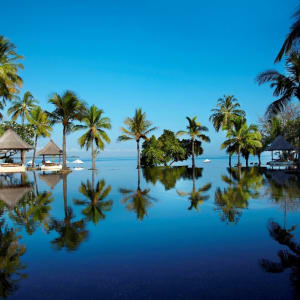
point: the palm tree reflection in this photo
(11, 266)
(139, 200)
(196, 196)
(96, 204)
(71, 233)
(289, 258)
(243, 184)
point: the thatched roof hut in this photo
(12, 141)
(51, 179)
(50, 149)
(280, 144)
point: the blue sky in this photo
(172, 58)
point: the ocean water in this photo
(161, 233)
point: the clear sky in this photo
(171, 58)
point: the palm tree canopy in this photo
(41, 122)
(93, 121)
(292, 37)
(137, 127)
(10, 81)
(242, 136)
(68, 107)
(194, 130)
(285, 86)
(22, 106)
(227, 110)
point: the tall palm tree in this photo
(138, 128)
(241, 136)
(226, 111)
(194, 130)
(21, 107)
(286, 87)
(96, 204)
(71, 233)
(94, 123)
(10, 81)
(292, 37)
(39, 119)
(68, 108)
(196, 197)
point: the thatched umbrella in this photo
(12, 195)
(51, 149)
(12, 141)
(51, 179)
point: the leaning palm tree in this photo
(194, 130)
(226, 111)
(42, 125)
(21, 107)
(10, 81)
(138, 128)
(68, 108)
(241, 136)
(95, 124)
(292, 38)
(286, 87)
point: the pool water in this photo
(161, 233)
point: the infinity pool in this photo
(163, 233)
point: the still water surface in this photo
(173, 233)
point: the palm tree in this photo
(286, 87)
(227, 110)
(138, 128)
(96, 204)
(194, 130)
(94, 123)
(292, 38)
(68, 108)
(10, 81)
(39, 119)
(22, 107)
(71, 233)
(241, 136)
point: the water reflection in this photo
(11, 267)
(95, 204)
(196, 196)
(137, 200)
(288, 258)
(242, 184)
(71, 233)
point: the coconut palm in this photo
(68, 108)
(71, 233)
(96, 204)
(10, 81)
(21, 107)
(227, 110)
(241, 136)
(286, 87)
(95, 124)
(292, 37)
(194, 130)
(42, 126)
(138, 128)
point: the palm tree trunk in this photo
(64, 149)
(65, 190)
(139, 178)
(138, 154)
(93, 157)
(194, 183)
(193, 153)
(93, 178)
(23, 119)
(35, 183)
(34, 150)
(239, 157)
(259, 160)
(230, 156)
